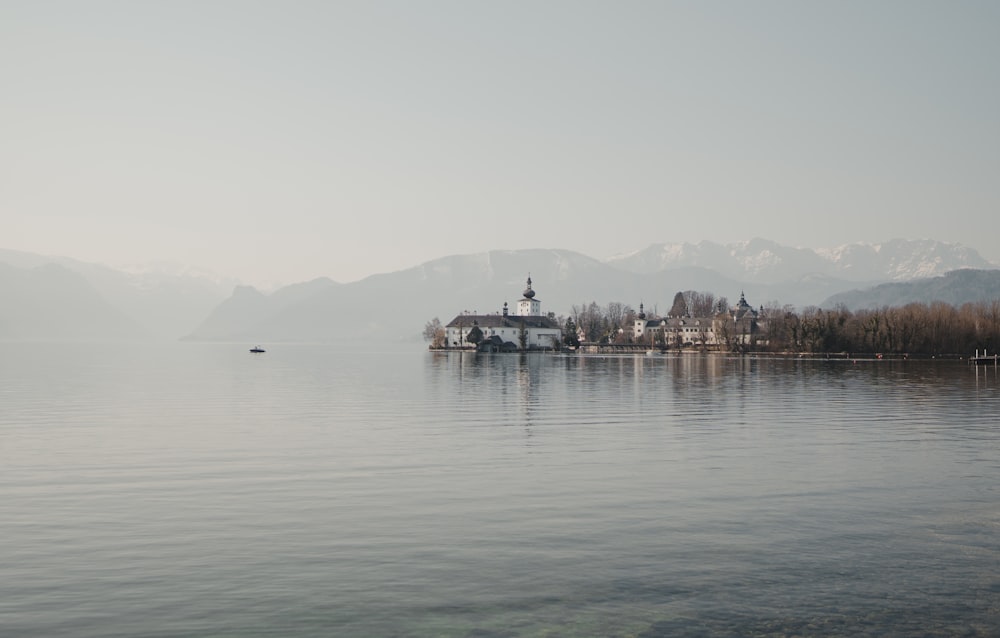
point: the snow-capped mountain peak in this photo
(765, 261)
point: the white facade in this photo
(741, 325)
(527, 328)
(529, 306)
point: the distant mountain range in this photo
(57, 298)
(761, 261)
(955, 288)
(62, 299)
(398, 304)
(52, 302)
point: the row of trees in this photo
(928, 329)
(599, 323)
(917, 328)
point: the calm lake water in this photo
(199, 490)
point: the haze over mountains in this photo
(763, 261)
(63, 299)
(58, 298)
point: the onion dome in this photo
(528, 292)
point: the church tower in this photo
(640, 321)
(529, 306)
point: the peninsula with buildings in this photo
(703, 322)
(528, 329)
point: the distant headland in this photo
(700, 321)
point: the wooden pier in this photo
(984, 359)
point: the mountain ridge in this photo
(165, 305)
(397, 304)
(765, 261)
(954, 288)
(50, 302)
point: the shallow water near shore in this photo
(200, 490)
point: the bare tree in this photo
(615, 314)
(725, 333)
(435, 333)
(700, 304)
(778, 326)
(590, 319)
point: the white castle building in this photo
(526, 329)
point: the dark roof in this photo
(500, 321)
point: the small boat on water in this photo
(257, 349)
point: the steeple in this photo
(528, 306)
(528, 292)
(742, 307)
(642, 314)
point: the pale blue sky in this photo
(281, 141)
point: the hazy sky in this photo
(282, 141)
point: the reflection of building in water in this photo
(514, 387)
(526, 329)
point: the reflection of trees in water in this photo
(986, 376)
(711, 392)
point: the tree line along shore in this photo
(935, 329)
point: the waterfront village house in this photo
(739, 326)
(504, 331)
